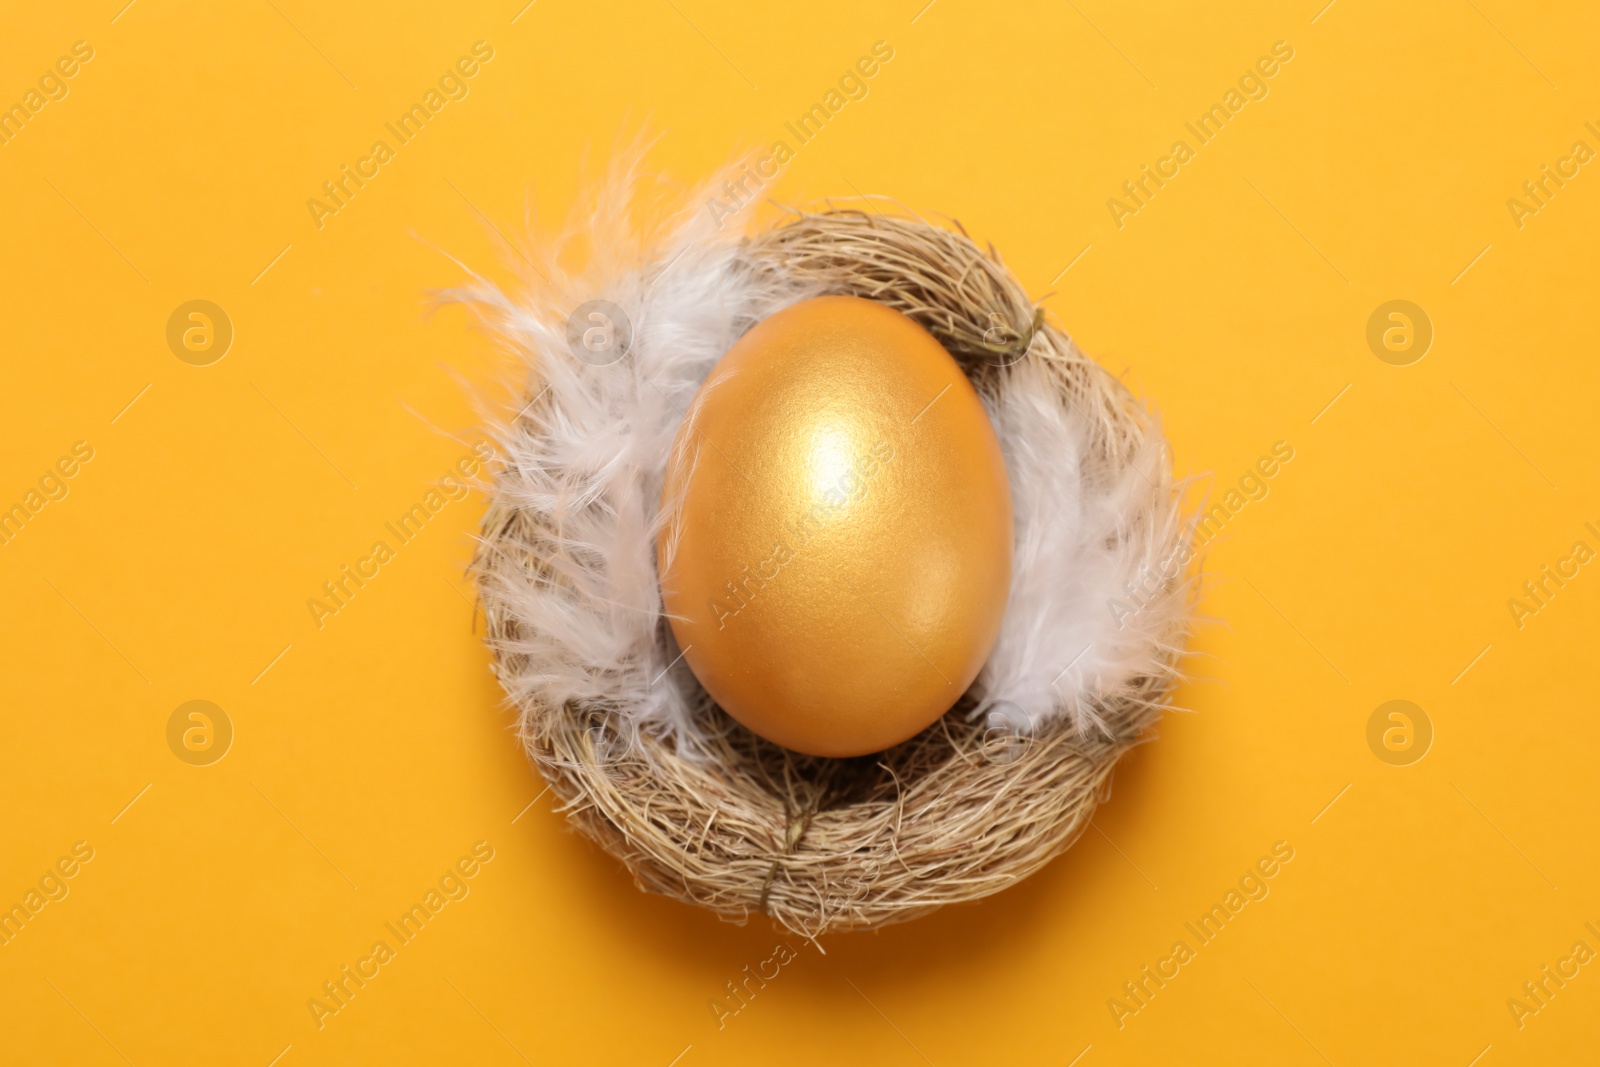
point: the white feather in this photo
(589, 452)
(1098, 601)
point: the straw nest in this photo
(978, 801)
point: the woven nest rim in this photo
(963, 810)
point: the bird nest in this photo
(643, 762)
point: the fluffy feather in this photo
(1098, 598)
(1096, 523)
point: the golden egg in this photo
(836, 551)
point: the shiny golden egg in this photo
(835, 553)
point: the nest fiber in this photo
(696, 806)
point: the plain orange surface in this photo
(371, 754)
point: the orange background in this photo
(370, 755)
